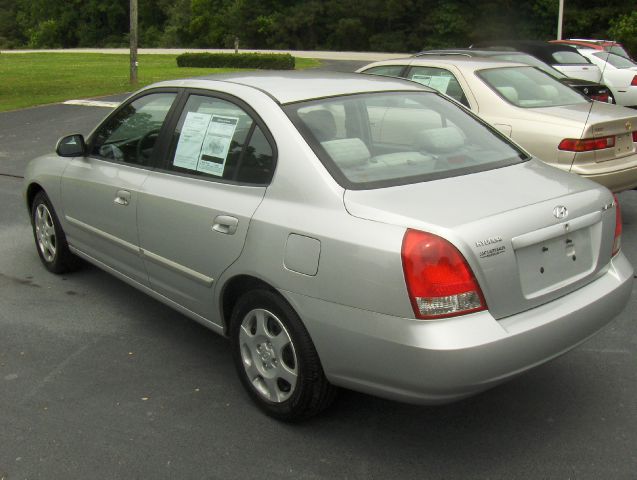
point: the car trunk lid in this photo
(600, 120)
(505, 222)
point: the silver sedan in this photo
(342, 230)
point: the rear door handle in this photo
(225, 224)
(122, 198)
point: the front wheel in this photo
(50, 240)
(276, 359)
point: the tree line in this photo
(362, 25)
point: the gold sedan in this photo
(550, 120)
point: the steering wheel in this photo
(148, 137)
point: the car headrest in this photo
(347, 152)
(321, 123)
(510, 93)
(440, 140)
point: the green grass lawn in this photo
(29, 79)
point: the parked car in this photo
(553, 122)
(619, 73)
(342, 230)
(600, 45)
(564, 58)
(595, 91)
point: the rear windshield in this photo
(528, 87)
(616, 49)
(569, 58)
(616, 60)
(385, 139)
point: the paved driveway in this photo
(99, 381)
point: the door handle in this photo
(225, 224)
(122, 198)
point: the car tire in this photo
(276, 359)
(50, 240)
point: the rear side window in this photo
(569, 58)
(215, 138)
(383, 139)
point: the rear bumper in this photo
(432, 362)
(616, 175)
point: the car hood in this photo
(501, 220)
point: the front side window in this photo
(439, 79)
(528, 87)
(130, 135)
(392, 138)
(215, 138)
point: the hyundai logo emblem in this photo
(560, 212)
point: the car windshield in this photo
(384, 139)
(528, 87)
(615, 60)
(530, 60)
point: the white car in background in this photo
(618, 73)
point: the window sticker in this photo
(204, 142)
(436, 82)
(217, 144)
(191, 140)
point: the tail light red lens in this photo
(439, 280)
(602, 97)
(586, 144)
(635, 136)
(617, 241)
(634, 82)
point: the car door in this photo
(195, 211)
(100, 191)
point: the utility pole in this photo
(560, 17)
(133, 42)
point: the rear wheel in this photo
(50, 240)
(276, 359)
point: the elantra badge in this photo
(560, 212)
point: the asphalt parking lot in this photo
(98, 380)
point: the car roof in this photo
(529, 46)
(295, 86)
(469, 63)
(589, 45)
(469, 52)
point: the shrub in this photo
(266, 61)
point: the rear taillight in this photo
(617, 241)
(439, 280)
(586, 144)
(634, 82)
(635, 136)
(601, 97)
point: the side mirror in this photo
(71, 146)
